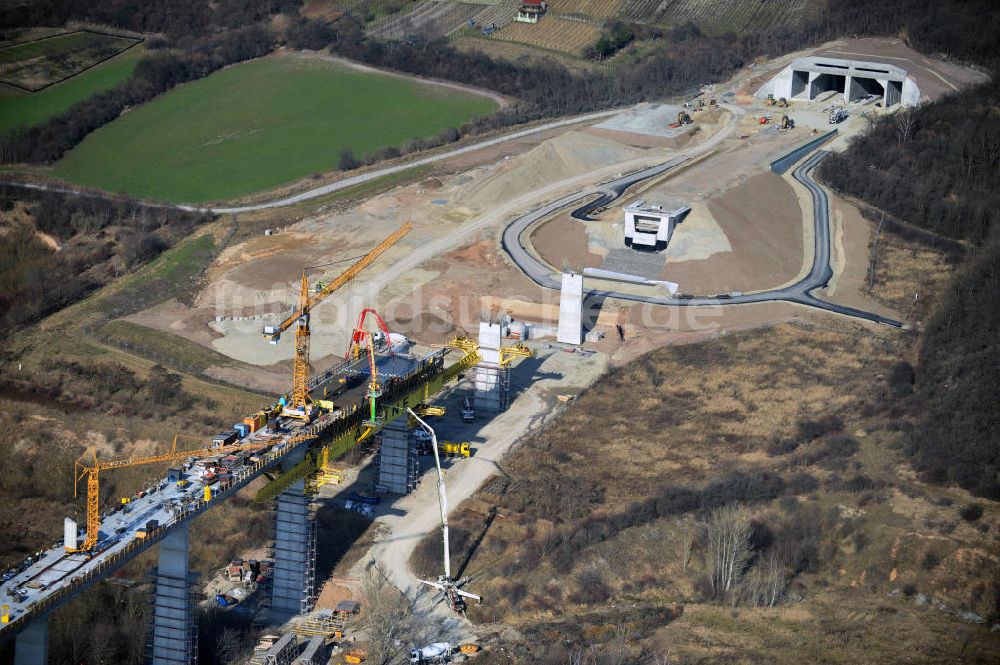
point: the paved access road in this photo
(800, 292)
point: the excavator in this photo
(299, 405)
(682, 119)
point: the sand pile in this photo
(567, 155)
(648, 119)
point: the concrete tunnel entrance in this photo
(800, 82)
(862, 87)
(826, 83)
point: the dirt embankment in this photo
(762, 220)
(565, 238)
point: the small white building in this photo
(531, 11)
(650, 227)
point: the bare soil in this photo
(565, 237)
(763, 222)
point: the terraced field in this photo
(38, 64)
(717, 15)
(434, 18)
(20, 108)
(553, 33)
(594, 8)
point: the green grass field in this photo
(19, 108)
(257, 125)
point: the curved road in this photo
(799, 293)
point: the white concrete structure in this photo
(571, 310)
(650, 227)
(70, 534)
(492, 382)
(808, 78)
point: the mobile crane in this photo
(299, 405)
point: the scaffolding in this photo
(173, 630)
(492, 387)
(398, 463)
(294, 572)
(274, 650)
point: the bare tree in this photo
(765, 583)
(687, 537)
(728, 536)
(581, 656)
(620, 649)
(227, 645)
(385, 618)
(906, 122)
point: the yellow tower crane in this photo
(300, 405)
(93, 471)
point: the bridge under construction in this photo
(319, 419)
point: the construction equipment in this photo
(770, 100)
(450, 588)
(360, 336)
(683, 118)
(782, 103)
(92, 473)
(452, 449)
(468, 410)
(508, 353)
(300, 405)
(764, 119)
(374, 387)
(439, 652)
(786, 122)
(837, 116)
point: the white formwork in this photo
(571, 310)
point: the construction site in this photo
(432, 327)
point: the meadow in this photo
(258, 125)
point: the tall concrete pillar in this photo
(173, 610)
(294, 554)
(32, 646)
(492, 383)
(571, 310)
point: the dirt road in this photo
(410, 518)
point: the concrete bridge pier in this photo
(174, 629)
(32, 645)
(292, 590)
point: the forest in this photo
(98, 239)
(938, 168)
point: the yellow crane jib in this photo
(508, 353)
(92, 471)
(299, 402)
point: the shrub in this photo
(930, 561)
(971, 512)
(901, 379)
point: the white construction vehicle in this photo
(439, 652)
(837, 116)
